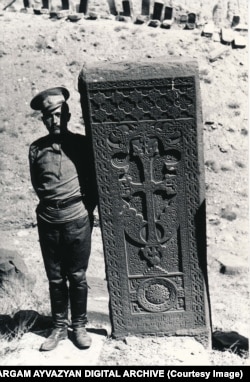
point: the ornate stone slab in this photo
(146, 127)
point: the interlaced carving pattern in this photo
(145, 143)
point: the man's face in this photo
(56, 121)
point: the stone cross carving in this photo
(144, 120)
(147, 149)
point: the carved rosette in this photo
(157, 294)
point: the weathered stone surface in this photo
(27, 3)
(235, 21)
(145, 123)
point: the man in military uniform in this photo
(62, 175)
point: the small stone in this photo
(166, 24)
(214, 221)
(125, 19)
(239, 42)
(217, 53)
(216, 37)
(154, 23)
(227, 36)
(208, 30)
(232, 341)
(227, 213)
(140, 19)
(22, 233)
(241, 28)
(212, 165)
(92, 16)
(232, 265)
(183, 18)
(75, 17)
(223, 149)
(131, 341)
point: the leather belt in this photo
(61, 203)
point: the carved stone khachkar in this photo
(146, 128)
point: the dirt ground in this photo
(37, 52)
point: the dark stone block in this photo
(27, 3)
(144, 120)
(112, 7)
(65, 4)
(192, 18)
(157, 11)
(14, 272)
(46, 4)
(123, 18)
(145, 7)
(168, 13)
(127, 8)
(83, 7)
(154, 23)
(235, 21)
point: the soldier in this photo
(62, 175)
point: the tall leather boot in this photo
(59, 309)
(78, 302)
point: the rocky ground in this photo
(37, 52)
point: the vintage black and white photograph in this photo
(124, 227)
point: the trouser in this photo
(65, 249)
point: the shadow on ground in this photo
(26, 321)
